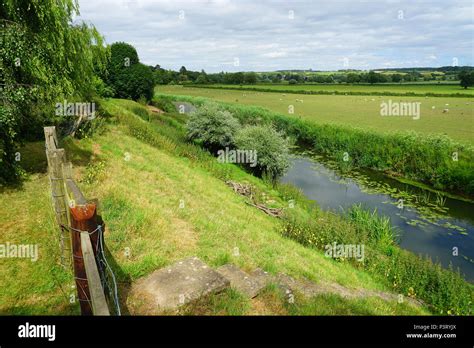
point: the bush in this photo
(292, 82)
(213, 127)
(271, 147)
(102, 89)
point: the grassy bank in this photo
(40, 287)
(141, 170)
(428, 159)
(402, 271)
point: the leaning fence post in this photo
(83, 218)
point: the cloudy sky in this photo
(260, 35)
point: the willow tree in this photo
(44, 59)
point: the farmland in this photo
(416, 88)
(356, 111)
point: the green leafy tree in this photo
(45, 59)
(353, 78)
(202, 79)
(271, 147)
(397, 78)
(250, 78)
(213, 127)
(135, 82)
(372, 77)
(466, 79)
(129, 78)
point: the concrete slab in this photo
(241, 280)
(181, 283)
(263, 278)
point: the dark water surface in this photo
(425, 226)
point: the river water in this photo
(427, 223)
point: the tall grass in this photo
(406, 273)
(429, 159)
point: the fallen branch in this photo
(275, 212)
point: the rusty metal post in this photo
(83, 218)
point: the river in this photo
(427, 223)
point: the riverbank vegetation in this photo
(434, 160)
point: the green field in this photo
(356, 111)
(417, 88)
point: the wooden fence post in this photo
(56, 157)
(83, 218)
(79, 226)
(98, 301)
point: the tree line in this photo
(184, 76)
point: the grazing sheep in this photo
(445, 111)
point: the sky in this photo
(261, 35)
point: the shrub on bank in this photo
(213, 127)
(271, 149)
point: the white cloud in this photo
(208, 34)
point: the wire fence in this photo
(81, 236)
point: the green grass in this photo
(386, 89)
(26, 217)
(271, 301)
(140, 196)
(362, 227)
(355, 111)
